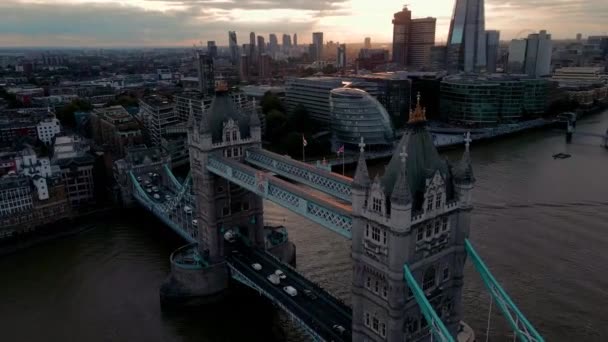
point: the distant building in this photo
(438, 57)
(206, 73)
(286, 41)
(579, 37)
(251, 51)
(244, 66)
(273, 44)
(212, 49)
(421, 40)
(492, 46)
(264, 67)
(372, 121)
(115, 128)
(261, 46)
(488, 100)
(367, 43)
(371, 59)
(15, 195)
(538, 54)
(341, 56)
(66, 147)
(157, 114)
(517, 56)
(401, 35)
(233, 46)
(580, 76)
(77, 175)
(295, 39)
(466, 47)
(47, 129)
(191, 103)
(317, 41)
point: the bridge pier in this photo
(191, 281)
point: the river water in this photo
(540, 224)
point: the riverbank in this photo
(56, 230)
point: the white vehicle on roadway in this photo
(156, 196)
(230, 236)
(280, 274)
(340, 329)
(273, 278)
(290, 291)
(187, 209)
(194, 222)
(256, 266)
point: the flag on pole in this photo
(304, 142)
(340, 150)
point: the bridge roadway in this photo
(318, 310)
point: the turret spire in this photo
(419, 113)
(463, 172)
(361, 174)
(401, 193)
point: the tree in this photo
(299, 120)
(276, 125)
(66, 113)
(271, 102)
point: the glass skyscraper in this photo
(466, 49)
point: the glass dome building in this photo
(356, 114)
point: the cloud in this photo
(115, 24)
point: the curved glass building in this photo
(356, 114)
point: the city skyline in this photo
(185, 22)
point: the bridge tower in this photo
(227, 128)
(416, 214)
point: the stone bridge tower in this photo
(417, 214)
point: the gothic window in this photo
(444, 224)
(428, 280)
(235, 152)
(376, 234)
(384, 291)
(446, 272)
(429, 203)
(437, 224)
(240, 151)
(229, 153)
(367, 322)
(420, 234)
(375, 323)
(429, 230)
(227, 136)
(367, 230)
(376, 285)
(234, 135)
(384, 237)
(382, 329)
(368, 283)
(377, 205)
(438, 201)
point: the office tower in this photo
(370, 59)
(341, 56)
(252, 44)
(401, 35)
(206, 77)
(295, 39)
(517, 56)
(538, 54)
(367, 44)
(273, 43)
(466, 50)
(286, 41)
(421, 40)
(234, 48)
(264, 70)
(492, 45)
(244, 66)
(579, 37)
(261, 45)
(438, 57)
(246, 49)
(312, 52)
(317, 41)
(211, 49)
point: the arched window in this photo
(428, 280)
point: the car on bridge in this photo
(256, 266)
(290, 290)
(308, 293)
(187, 209)
(274, 279)
(339, 329)
(280, 274)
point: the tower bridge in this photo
(409, 230)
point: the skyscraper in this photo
(286, 41)
(317, 41)
(211, 49)
(264, 71)
(466, 50)
(244, 67)
(295, 39)
(538, 54)
(252, 45)
(421, 40)
(492, 45)
(261, 45)
(517, 56)
(341, 56)
(401, 35)
(234, 48)
(367, 44)
(206, 77)
(273, 43)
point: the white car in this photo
(273, 278)
(280, 274)
(187, 210)
(340, 329)
(256, 267)
(194, 222)
(156, 196)
(290, 290)
(229, 236)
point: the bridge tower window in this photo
(234, 135)
(446, 272)
(438, 201)
(420, 234)
(428, 280)
(377, 205)
(227, 136)
(444, 224)
(429, 203)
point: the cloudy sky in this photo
(184, 22)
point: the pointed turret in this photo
(361, 174)
(401, 192)
(191, 119)
(463, 172)
(254, 120)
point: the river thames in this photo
(540, 224)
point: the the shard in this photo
(466, 50)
